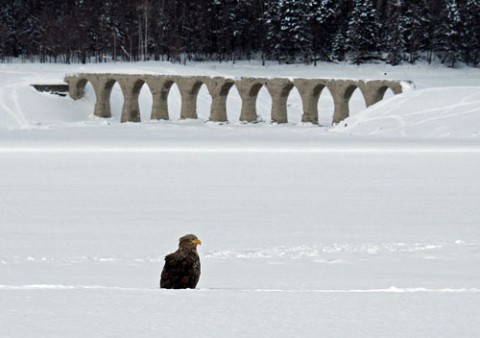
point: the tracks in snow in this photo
(10, 106)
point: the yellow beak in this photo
(197, 241)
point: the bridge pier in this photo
(103, 88)
(160, 88)
(76, 86)
(310, 90)
(218, 87)
(341, 91)
(131, 86)
(188, 87)
(279, 90)
(248, 89)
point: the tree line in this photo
(393, 31)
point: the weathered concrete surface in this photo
(373, 91)
(310, 90)
(189, 87)
(219, 87)
(102, 85)
(131, 86)
(160, 88)
(341, 91)
(76, 85)
(279, 90)
(248, 89)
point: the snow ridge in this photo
(392, 289)
(309, 251)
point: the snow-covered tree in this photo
(289, 32)
(362, 37)
(322, 22)
(449, 34)
(271, 22)
(285, 30)
(471, 38)
(245, 27)
(417, 23)
(395, 29)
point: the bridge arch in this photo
(116, 100)
(102, 85)
(263, 105)
(234, 104)
(375, 90)
(342, 91)
(310, 91)
(356, 101)
(325, 107)
(77, 88)
(174, 102)
(388, 93)
(294, 106)
(204, 103)
(278, 89)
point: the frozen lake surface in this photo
(365, 230)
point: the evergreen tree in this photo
(417, 23)
(220, 24)
(323, 27)
(395, 30)
(471, 38)
(7, 31)
(290, 29)
(362, 38)
(24, 27)
(271, 21)
(246, 27)
(286, 30)
(338, 45)
(341, 19)
(296, 29)
(449, 35)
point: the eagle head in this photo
(189, 242)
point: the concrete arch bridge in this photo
(218, 87)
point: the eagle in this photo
(182, 267)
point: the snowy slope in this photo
(428, 113)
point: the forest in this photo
(287, 31)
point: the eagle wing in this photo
(180, 271)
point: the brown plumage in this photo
(182, 267)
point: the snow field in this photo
(364, 230)
(211, 313)
(83, 237)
